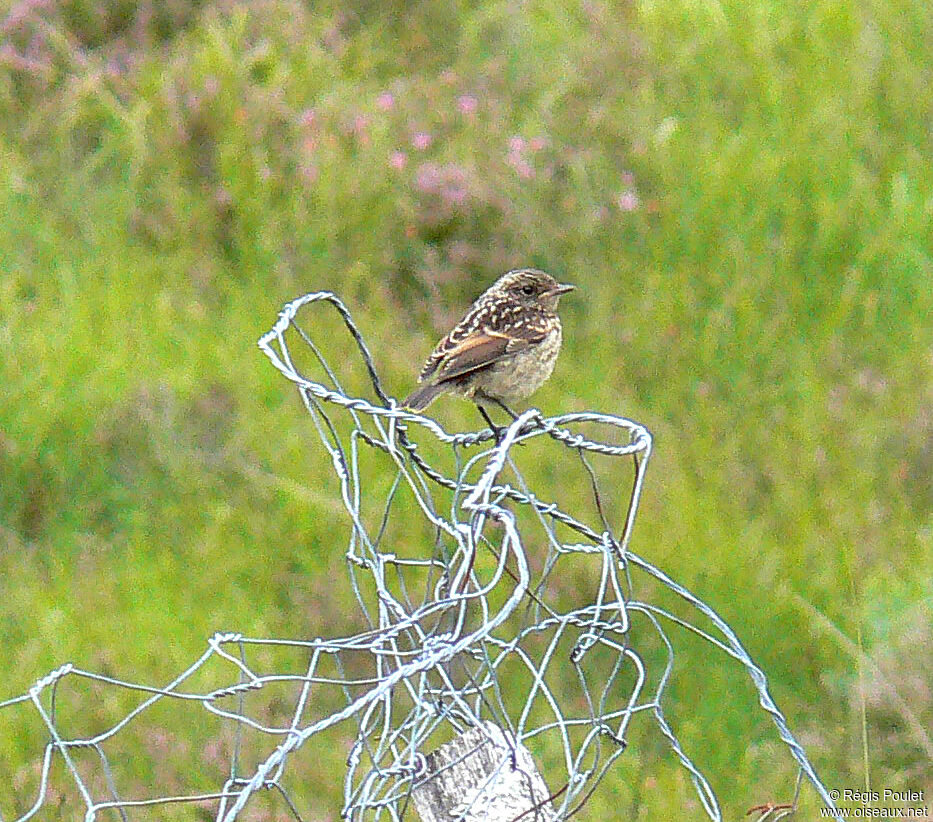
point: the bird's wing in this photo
(480, 350)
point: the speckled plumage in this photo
(503, 349)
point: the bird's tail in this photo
(423, 396)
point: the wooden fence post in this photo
(480, 777)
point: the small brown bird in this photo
(502, 350)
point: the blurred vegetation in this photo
(743, 193)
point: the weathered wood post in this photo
(482, 776)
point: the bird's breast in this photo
(516, 377)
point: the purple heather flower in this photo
(428, 177)
(467, 104)
(448, 181)
(524, 169)
(517, 144)
(361, 128)
(386, 101)
(422, 140)
(628, 200)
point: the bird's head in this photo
(530, 287)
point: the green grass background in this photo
(742, 191)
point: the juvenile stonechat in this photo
(502, 350)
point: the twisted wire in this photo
(478, 625)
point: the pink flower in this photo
(455, 191)
(308, 116)
(448, 182)
(428, 178)
(422, 140)
(20, 12)
(516, 158)
(385, 101)
(398, 160)
(537, 143)
(628, 200)
(361, 128)
(524, 169)
(467, 104)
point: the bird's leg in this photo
(496, 430)
(505, 408)
(508, 411)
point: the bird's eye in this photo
(528, 289)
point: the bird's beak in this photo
(560, 288)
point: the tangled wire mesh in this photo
(478, 601)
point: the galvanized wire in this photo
(479, 598)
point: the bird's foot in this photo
(498, 431)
